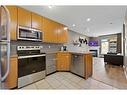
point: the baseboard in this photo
(125, 71)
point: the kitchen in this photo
(38, 49)
(62, 47)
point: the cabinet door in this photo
(12, 78)
(63, 62)
(13, 21)
(24, 17)
(36, 21)
(49, 31)
(62, 34)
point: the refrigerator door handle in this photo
(8, 43)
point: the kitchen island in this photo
(79, 63)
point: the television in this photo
(93, 43)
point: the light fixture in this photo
(50, 7)
(88, 19)
(73, 25)
(65, 28)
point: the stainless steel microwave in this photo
(29, 34)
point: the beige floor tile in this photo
(42, 84)
(29, 87)
(63, 87)
(53, 83)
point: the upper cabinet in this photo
(49, 29)
(36, 21)
(54, 32)
(62, 34)
(13, 21)
(24, 17)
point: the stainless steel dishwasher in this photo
(77, 64)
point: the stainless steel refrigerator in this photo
(4, 46)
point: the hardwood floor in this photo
(109, 74)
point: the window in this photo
(104, 46)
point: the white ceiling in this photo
(101, 17)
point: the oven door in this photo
(30, 69)
(31, 64)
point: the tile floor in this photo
(103, 78)
(67, 80)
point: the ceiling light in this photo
(65, 28)
(73, 25)
(50, 7)
(88, 19)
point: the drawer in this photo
(50, 69)
(50, 62)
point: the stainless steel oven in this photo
(29, 34)
(31, 65)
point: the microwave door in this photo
(4, 46)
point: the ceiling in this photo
(104, 19)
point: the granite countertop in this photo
(73, 52)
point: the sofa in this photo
(113, 59)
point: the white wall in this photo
(75, 36)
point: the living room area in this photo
(108, 59)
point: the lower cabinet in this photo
(63, 61)
(50, 63)
(11, 81)
(88, 65)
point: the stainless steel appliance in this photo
(50, 63)
(4, 45)
(29, 34)
(77, 64)
(31, 65)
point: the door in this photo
(50, 29)
(24, 18)
(62, 34)
(4, 46)
(36, 21)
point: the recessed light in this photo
(73, 25)
(88, 19)
(65, 28)
(50, 7)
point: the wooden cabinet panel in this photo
(63, 61)
(24, 17)
(36, 21)
(11, 81)
(13, 21)
(62, 34)
(49, 29)
(88, 65)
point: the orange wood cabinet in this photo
(36, 21)
(13, 21)
(63, 61)
(49, 29)
(88, 65)
(54, 32)
(62, 34)
(11, 81)
(24, 17)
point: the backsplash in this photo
(46, 47)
